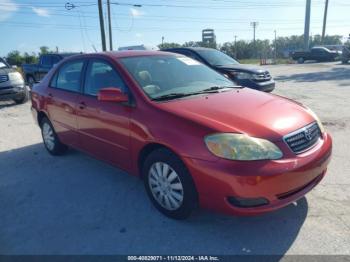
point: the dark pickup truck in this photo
(35, 72)
(319, 54)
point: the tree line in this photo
(17, 58)
(240, 49)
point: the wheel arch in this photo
(147, 150)
(41, 115)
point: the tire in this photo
(30, 81)
(301, 60)
(174, 194)
(23, 98)
(51, 141)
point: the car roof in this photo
(124, 54)
(188, 48)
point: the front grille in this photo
(265, 76)
(3, 78)
(304, 138)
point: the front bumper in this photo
(12, 92)
(281, 182)
(265, 86)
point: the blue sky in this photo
(26, 25)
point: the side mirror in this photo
(112, 94)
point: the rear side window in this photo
(101, 74)
(68, 76)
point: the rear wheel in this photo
(50, 138)
(169, 184)
(301, 60)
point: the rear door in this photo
(63, 92)
(104, 126)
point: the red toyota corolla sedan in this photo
(194, 137)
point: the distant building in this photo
(208, 36)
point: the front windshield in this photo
(2, 64)
(216, 58)
(163, 75)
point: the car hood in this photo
(243, 68)
(243, 110)
(5, 71)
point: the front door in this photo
(104, 126)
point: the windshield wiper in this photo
(170, 96)
(213, 89)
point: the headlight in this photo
(241, 147)
(320, 125)
(15, 76)
(241, 75)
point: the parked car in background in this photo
(191, 134)
(245, 75)
(345, 57)
(33, 73)
(12, 85)
(319, 54)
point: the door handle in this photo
(82, 105)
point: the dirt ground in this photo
(77, 205)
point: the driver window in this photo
(100, 75)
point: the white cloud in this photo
(7, 7)
(138, 35)
(41, 11)
(136, 13)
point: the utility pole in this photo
(109, 25)
(275, 46)
(162, 40)
(324, 20)
(307, 24)
(254, 25)
(235, 46)
(102, 27)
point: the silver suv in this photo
(12, 85)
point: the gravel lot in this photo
(77, 205)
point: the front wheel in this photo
(51, 141)
(301, 60)
(169, 184)
(22, 98)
